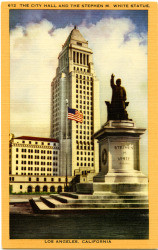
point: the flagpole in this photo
(66, 139)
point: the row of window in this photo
(86, 131)
(85, 147)
(37, 179)
(83, 127)
(87, 102)
(84, 93)
(84, 77)
(36, 163)
(44, 189)
(81, 69)
(34, 151)
(34, 169)
(80, 58)
(35, 157)
(84, 81)
(85, 159)
(85, 153)
(86, 122)
(83, 87)
(85, 143)
(85, 98)
(41, 143)
(47, 174)
(87, 138)
(85, 164)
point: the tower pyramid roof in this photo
(75, 35)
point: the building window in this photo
(29, 142)
(17, 149)
(23, 141)
(20, 186)
(45, 179)
(59, 179)
(16, 162)
(74, 57)
(80, 44)
(29, 179)
(77, 57)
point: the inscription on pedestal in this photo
(122, 155)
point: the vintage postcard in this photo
(79, 126)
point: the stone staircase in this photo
(72, 202)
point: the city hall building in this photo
(34, 165)
(75, 81)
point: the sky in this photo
(118, 40)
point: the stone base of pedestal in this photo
(122, 177)
(115, 188)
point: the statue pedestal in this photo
(119, 166)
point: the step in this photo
(104, 197)
(105, 205)
(108, 201)
(71, 195)
(113, 199)
(108, 195)
(39, 206)
(62, 198)
(50, 202)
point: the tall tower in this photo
(75, 80)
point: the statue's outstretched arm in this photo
(112, 81)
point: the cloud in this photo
(34, 51)
(126, 58)
(33, 62)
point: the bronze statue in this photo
(117, 108)
(118, 93)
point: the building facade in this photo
(33, 156)
(76, 82)
(31, 184)
(34, 165)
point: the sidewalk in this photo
(19, 204)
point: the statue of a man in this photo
(118, 94)
(116, 110)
